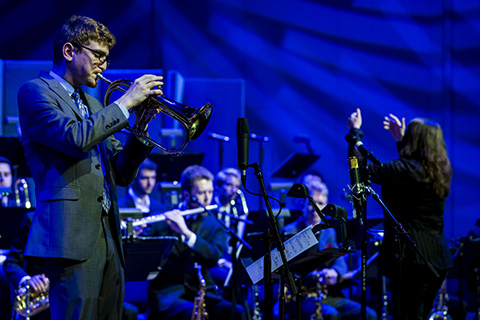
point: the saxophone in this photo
(440, 312)
(318, 295)
(199, 312)
(29, 303)
(21, 186)
(257, 313)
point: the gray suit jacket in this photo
(61, 150)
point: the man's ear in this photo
(186, 195)
(68, 50)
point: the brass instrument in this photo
(318, 295)
(199, 312)
(257, 312)
(241, 224)
(440, 312)
(193, 120)
(29, 303)
(21, 187)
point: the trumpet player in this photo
(76, 164)
(171, 295)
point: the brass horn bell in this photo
(193, 120)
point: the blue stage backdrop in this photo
(294, 69)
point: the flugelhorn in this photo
(193, 120)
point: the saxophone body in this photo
(199, 308)
(22, 198)
(440, 312)
(29, 303)
(318, 295)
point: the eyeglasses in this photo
(102, 58)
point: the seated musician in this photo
(139, 193)
(231, 204)
(6, 182)
(172, 293)
(334, 305)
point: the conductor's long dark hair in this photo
(423, 141)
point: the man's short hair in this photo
(148, 165)
(222, 175)
(81, 30)
(5, 160)
(315, 185)
(194, 173)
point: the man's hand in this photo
(176, 221)
(39, 283)
(329, 276)
(141, 89)
(144, 115)
(397, 128)
(139, 229)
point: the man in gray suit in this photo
(76, 164)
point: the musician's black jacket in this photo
(409, 195)
(178, 278)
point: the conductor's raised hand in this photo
(146, 86)
(396, 128)
(355, 120)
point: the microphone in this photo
(217, 136)
(357, 187)
(258, 137)
(243, 135)
(359, 145)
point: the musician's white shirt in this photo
(142, 204)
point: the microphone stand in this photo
(360, 207)
(267, 267)
(236, 239)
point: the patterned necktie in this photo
(107, 201)
(80, 104)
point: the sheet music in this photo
(294, 246)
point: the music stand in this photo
(309, 261)
(295, 165)
(145, 256)
(170, 168)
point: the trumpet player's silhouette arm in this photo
(17, 269)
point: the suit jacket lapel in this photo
(56, 87)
